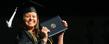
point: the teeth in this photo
(30, 22)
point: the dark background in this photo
(87, 20)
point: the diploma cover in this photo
(55, 25)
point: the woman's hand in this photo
(65, 23)
(61, 35)
(45, 31)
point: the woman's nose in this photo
(31, 17)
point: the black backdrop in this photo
(87, 21)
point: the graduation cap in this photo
(39, 7)
(23, 2)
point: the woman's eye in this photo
(27, 16)
(34, 16)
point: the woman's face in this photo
(30, 19)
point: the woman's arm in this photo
(61, 35)
(61, 38)
(45, 31)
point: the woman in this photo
(30, 32)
